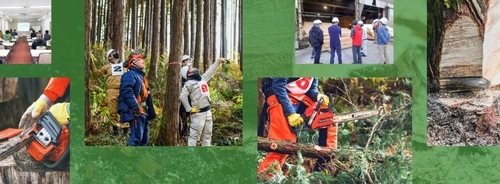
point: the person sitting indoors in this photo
(38, 42)
(7, 37)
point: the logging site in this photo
(463, 78)
(34, 133)
(163, 73)
(344, 32)
(335, 130)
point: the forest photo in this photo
(163, 73)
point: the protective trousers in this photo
(112, 98)
(139, 135)
(365, 49)
(279, 130)
(201, 128)
(327, 138)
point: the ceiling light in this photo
(12, 7)
(39, 6)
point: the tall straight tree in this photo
(145, 33)
(168, 131)
(88, 20)
(163, 28)
(155, 41)
(213, 28)
(133, 26)
(223, 30)
(192, 9)
(240, 41)
(199, 22)
(92, 23)
(207, 51)
(118, 25)
(186, 29)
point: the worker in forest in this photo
(288, 99)
(135, 103)
(383, 38)
(316, 40)
(113, 71)
(195, 97)
(335, 33)
(57, 90)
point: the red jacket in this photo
(357, 35)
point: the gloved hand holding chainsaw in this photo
(286, 104)
(56, 88)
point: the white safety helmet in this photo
(110, 51)
(317, 21)
(185, 57)
(375, 21)
(360, 22)
(184, 71)
(384, 21)
(335, 20)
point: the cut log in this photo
(21, 168)
(312, 151)
(462, 53)
(491, 51)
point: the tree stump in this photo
(22, 168)
(491, 51)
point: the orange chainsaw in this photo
(319, 117)
(47, 141)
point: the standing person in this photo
(316, 40)
(364, 37)
(383, 38)
(186, 61)
(288, 98)
(57, 89)
(47, 36)
(335, 33)
(134, 102)
(113, 72)
(197, 90)
(357, 40)
(375, 27)
(7, 37)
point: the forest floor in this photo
(461, 119)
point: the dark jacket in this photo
(130, 87)
(335, 33)
(281, 92)
(38, 42)
(32, 35)
(316, 37)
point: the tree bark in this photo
(197, 47)
(193, 36)
(223, 33)
(213, 28)
(207, 50)
(240, 31)
(186, 29)
(163, 27)
(109, 25)
(133, 26)
(287, 147)
(118, 22)
(155, 41)
(168, 131)
(88, 60)
(145, 40)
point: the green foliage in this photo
(226, 102)
(387, 158)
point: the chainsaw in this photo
(320, 117)
(47, 141)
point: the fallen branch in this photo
(311, 151)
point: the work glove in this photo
(295, 120)
(35, 111)
(326, 100)
(136, 111)
(195, 109)
(60, 112)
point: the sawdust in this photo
(27, 163)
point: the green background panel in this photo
(268, 51)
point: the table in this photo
(8, 44)
(36, 53)
(3, 55)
